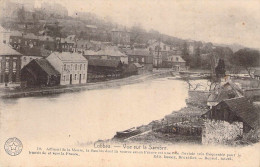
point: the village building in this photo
(176, 62)
(4, 35)
(73, 67)
(10, 64)
(134, 69)
(108, 53)
(100, 69)
(142, 56)
(39, 72)
(120, 36)
(235, 110)
(65, 45)
(47, 43)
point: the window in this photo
(177, 58)
(64, 67)
(76, 66)
(143, 59)
(64, 78)
(14, 65)
(7, 65)
(132, 59)
(34, 43)
(75, 77)
(80, 66)
(84, 66)
(25, 42)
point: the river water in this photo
(90, 115)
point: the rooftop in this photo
(104, 63)
(46, 66)
(243, 109)
(6, 50)
(68, 56)
(138, 52)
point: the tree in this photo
(185, 54)
(197, 57)
(220, 69)
(246, 58)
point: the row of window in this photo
(7, 65)
(137, 59)
(76, 77)
(25, 42)
(76, 67)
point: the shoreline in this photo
(89, 86)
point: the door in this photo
(79, 78)
(70, 79)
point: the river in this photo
(88, 116)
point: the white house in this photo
(73, 67)
(4, 35)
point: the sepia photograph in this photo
(129, 83)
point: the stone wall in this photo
(220, 132)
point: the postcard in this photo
(129, 83)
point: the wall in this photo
(220, 132)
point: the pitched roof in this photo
(6, 50)
(243, 109)
(34, 51)
(68, 56)
(16, 33)
(46, 66)
(104, 63)
(111, 51)
(30, 36)
(138, 52)
(177, 59)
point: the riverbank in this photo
(19, 93)
(186, 120)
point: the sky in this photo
(222, 21)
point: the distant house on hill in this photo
(120, 36)
(40, 72)
(235, 110)
(73, 67)
(4, 35)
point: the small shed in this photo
(39, 72)
(235, 110)
(103, 69)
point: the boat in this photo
(128, 133)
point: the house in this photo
(142, 56)
(39, 72)
(120, 36)
(4, 35)
(235, 110)
(99, 69)
(10, 64)
(65, 45)
(20, 40)
(222, 92)
(73, 67)
(257, 74)
(108, 53)
(176, 62)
